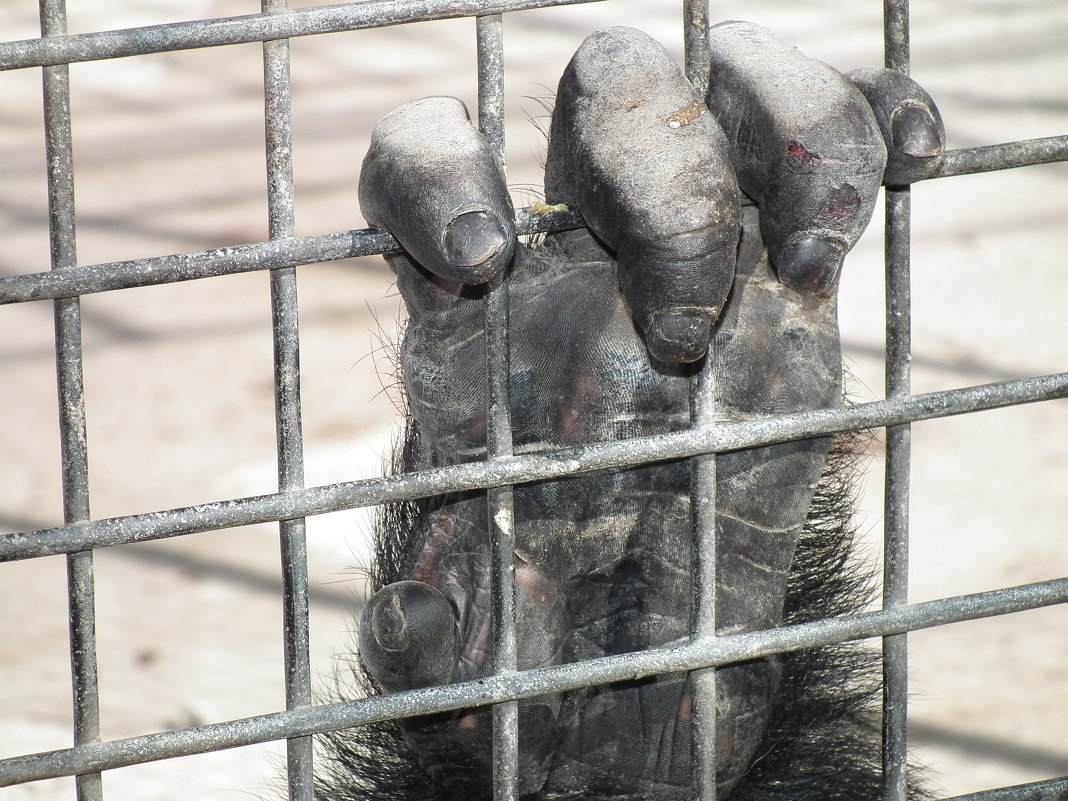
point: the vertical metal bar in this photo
(898, 441)
(74, 449)
(703, 493)
(277, 120)
(490, 39)
(703, 498)
(896, 34)
(695, 37)
(490, 43)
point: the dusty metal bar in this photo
(298, 251)
(81, 591)
(284, 314)
(489, 32)
(703, 628)
(499, 501)
(896, 35)
(703, 492)
(529, 683)
(250, 28)
(1050, 790)
(289, 252)
(898, 440)
(527, 467)
(1006, 156)
(896, 495)
(695, 38)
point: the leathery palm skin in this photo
(722, 219)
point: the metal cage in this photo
(282, 254)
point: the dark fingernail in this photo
(679, 336)
(389, 625)
(810, 263)
(916, 133)
(472, 239)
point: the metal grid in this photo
(283, 252)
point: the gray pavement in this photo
(169, 159)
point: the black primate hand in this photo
(606, 328)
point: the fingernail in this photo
(915, 132)
(389, 626)
(680, 336)
(810, 263)
(472, 239)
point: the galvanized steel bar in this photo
(1006, 156)
(297, 251)
(703, 628)
(499, 501)
(81, 592)
(289, 252)
(896, 35)
(250, 257)
(529, 683)
(898, 440)
(896, 495)
(527, 467)
(695, 41)
(1050, 790)
(264, 27)
(284, 314)
(703, 492)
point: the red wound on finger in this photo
(841, 206)
(801, 155)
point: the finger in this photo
(430, 179)
(805, 145)
(634, 147)
(909, 120)
(407, 636)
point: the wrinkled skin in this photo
(726, 220)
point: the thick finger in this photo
(407, 636)
(909, 120)
(805, 145)
(634, 147)
(430, 179)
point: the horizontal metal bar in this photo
(290, 252)
(297, 251)
(532, 466)
(1050, 790)
(1025, 153)
(262, 27)
(528, 684)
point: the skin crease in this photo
(726, 221)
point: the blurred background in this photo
(169, 159)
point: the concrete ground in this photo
(178, 378)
